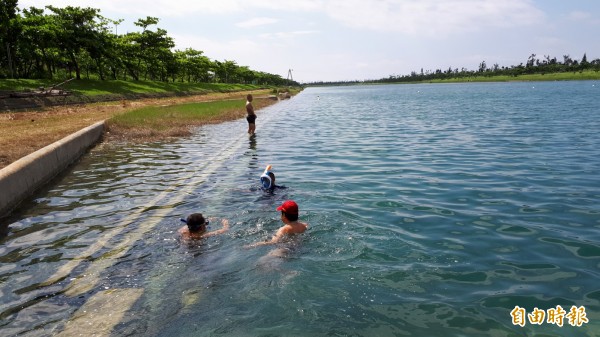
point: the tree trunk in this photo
(10, 65)
(100, 72)
(47, 62)
(131, 73)
(77, 70)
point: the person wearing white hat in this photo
(267, 180)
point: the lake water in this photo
(434, 210)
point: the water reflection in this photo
(252, 153)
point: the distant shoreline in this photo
(588, 76)
(570, 76)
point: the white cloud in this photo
(287, 5)
(578, 15)
(584, 17)
(433, 17)
(287, 35)
(410, 17)
(255, 22)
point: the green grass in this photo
(96, 87)
(167, 117)
(585, 75)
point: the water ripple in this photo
(433, 210)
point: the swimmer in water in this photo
(267, 180)
(196, 227)
(291, 225)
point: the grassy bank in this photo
(125, 88)
(177, 120)
(577, 76)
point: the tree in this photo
(153, 52)
(44, 43)
(245, 75)
(194, 67)
(95, 57)
(482, 66)
(8, 17)
(38, 43)
(530, 61)
(226, 70)
(78, 31)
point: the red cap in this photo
(289, 206)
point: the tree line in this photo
(533, 65)
(77, 42)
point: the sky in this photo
(347, 40)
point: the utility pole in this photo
(290, 78)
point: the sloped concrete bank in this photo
(8, 103)
(22, 178)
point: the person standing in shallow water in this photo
(251, 118)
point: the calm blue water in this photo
(434, 211)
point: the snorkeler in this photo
(267, 180)
(291, 225)
(196, 227)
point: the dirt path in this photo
(22, 133)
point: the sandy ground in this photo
(22, 133)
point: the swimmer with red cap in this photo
(291, 225)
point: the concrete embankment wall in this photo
(22, 178)
(8, 103)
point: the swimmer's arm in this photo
(275, 239)
(223, 229)
(262, 243)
